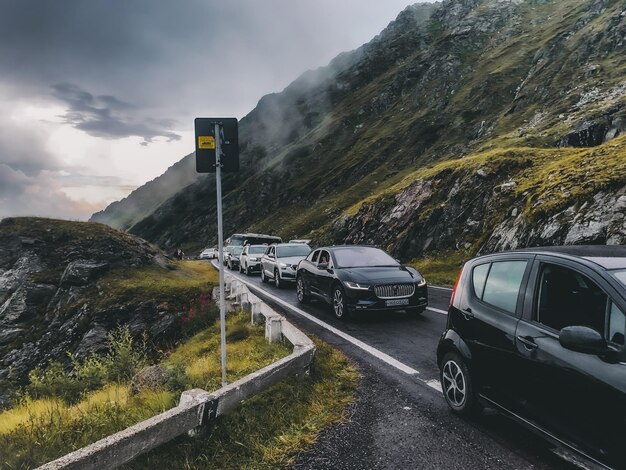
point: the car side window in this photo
(503, 284)
(569, 298)
(324, 257)
(617, 325)
(479, 276)
(314, 256)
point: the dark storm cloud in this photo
(146, 68)
(179, 59)
(108, 117)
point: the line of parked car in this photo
(350, 279)
(537, 334)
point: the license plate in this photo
(396, 302)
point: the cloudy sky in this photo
(98, 96)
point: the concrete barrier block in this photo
(255, 313)
(273, 329)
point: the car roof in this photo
(288, 244)
(341, 247)
(607, 256)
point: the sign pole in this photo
(220, 240)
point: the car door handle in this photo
(528, 342)
(467, 313)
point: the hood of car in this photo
(379, 275)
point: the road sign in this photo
(217, 149)
(206, 147)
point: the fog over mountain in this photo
(96, 99)
(470, 125)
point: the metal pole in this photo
(220, 244)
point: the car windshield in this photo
(621, 276)
(257, 250)
(293, 250)
(362, 256)
(229, 248)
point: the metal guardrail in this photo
(197, 407)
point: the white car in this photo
(208, 253)
(280, 261)
(250, 258)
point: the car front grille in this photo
(394, 291)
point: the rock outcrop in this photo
(49, 273)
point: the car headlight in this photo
(422, 282)
(357, 286)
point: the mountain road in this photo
(399, 418)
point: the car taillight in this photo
(456, 285)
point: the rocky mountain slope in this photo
(458, 127)
(65, 285)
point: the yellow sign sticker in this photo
(206, 142)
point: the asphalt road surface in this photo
(400, 419)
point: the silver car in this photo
(280, 261)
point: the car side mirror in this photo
(582, 339)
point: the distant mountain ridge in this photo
(442, 133)
(144, 200)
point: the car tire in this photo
(277, 282)
(247, 271)
(263, 276)
(458, 386)
(301, 293)
(338, 303)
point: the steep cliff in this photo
(65, 285)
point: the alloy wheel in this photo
(338, 303)
(454, 384)
(276, 278)
(300, 290)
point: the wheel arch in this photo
(451, 341)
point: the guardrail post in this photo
(207, 411)
(244, 302)
(273, 329)
(255, 310)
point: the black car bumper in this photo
(368, 302)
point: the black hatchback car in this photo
(357, 278)
(539, 335)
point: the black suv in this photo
(539, 335)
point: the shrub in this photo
(125, 358)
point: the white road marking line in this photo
(439, 287)
(437, 310)
(434, 383)
(358, 343)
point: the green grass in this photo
(441, 269)
(184, 282)
(269, 429)
(38, 430)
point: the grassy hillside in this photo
(451, 82)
